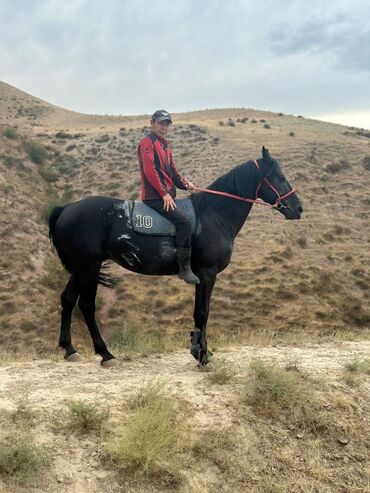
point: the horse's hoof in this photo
(72, 358)
(195, 351)
(109, 363)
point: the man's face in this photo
(161, 128)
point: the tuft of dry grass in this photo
(358, 366)
(151, 435)
(221, 371)
(22, 460)
(274, 390)
(128, 342)
(86, 417)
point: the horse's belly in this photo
(147, 257)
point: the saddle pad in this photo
(147, 221)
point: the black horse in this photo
(86, 233)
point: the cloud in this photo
(344, 39)
(134, 56)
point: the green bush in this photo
(55, 276)
(272, 390)
(48, 174)
(36, 152)
(22, 460)
(151, 435)
(87, 417)
(10, 133)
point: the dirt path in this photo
(49, 386)
(52, 382)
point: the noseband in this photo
(279, 198)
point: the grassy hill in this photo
(288, 282)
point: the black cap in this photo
(161, 116)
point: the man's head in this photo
(160, 122)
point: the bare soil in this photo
(78, 465)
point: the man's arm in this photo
(146, 150)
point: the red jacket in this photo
(157, 169)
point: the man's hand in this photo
(188, 184)
(169, 203)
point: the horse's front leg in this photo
(203, 293)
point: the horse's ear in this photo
(266, 154)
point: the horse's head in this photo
(276, 190)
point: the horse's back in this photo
(84, 225)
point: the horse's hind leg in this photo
(88, 282)
(68, 300)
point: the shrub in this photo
(291, 134)
(273, 389)
(22, 460)
(86, 417)
(266, 125)
(46, 208)
(302, 241)
(151, 434)
(129, 341)
(48, 174)
(221, 371)
(55, 275)
(10, 133)
(36, 152)
(63, 135)
(102, 138)
(354, 312)
(366, 163)
(337, 167)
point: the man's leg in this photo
(183, 239)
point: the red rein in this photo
(243, 199)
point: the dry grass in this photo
(22, 460)
(221, 371)
(151, 435)
(86, 417)
(277, 392)
(358, 366)
(128, 341)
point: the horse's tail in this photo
(104, 279)
(54, 215)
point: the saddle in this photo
(147, 221)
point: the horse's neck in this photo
(235, 216)
(231, 213)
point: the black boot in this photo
(183, 258)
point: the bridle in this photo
(279, 198)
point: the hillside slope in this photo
(288, 281)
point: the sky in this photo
(135, 56)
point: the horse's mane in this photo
(241, 180)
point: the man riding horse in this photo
(159, 179)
